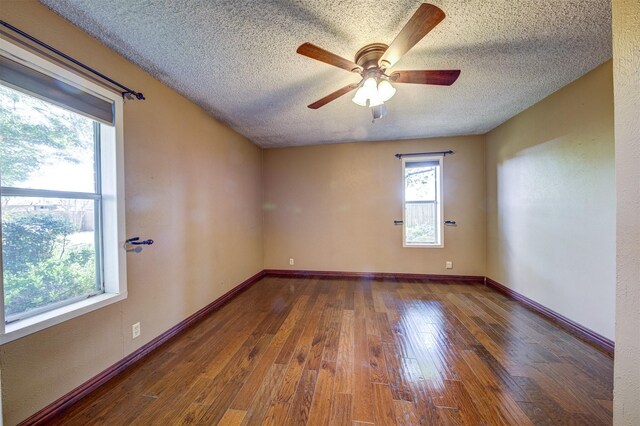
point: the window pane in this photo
(44, 146)
(420, 223)
(422, 203)
(48, 252)
(420, 183)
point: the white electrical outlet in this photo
(135, 330)
(449, 264)
(291, 262)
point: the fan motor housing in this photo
(369, 55)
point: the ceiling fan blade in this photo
(333, 96)
(423, 20)
(439, 77)
(319, 54)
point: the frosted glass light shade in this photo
(370, 87)
(360, 98)
(385, 90)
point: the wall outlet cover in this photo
(135, 330)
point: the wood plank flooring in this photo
(361, 352)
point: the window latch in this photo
(450, 223)
(135, 241)
(398, 222)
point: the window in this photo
(61, 194)
(422, 201)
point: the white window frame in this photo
(111, 157)
(439, 204)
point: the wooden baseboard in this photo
(45, 415)
(580, 331)
(371, 275)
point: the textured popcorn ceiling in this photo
(237, 59)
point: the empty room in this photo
(292, 212)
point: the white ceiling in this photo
(237, 59)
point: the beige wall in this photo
(332, 207)
(192, 185)
(195, 187)
(551, 202)
(626, 75)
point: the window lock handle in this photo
(135, 245)
(398, 222)
(136, 241)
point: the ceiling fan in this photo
(374, 61)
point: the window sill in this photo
(36, 323)
(423, 245)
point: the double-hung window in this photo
(422, 201)
(61, 194)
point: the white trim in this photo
(112, 203)
(439, 202)
(47, 319)
(114, 261)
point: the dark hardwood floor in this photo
(356, 352)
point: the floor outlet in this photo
(135, 330)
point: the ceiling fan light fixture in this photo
(374, 60)
(385, 90)
(373, 92)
